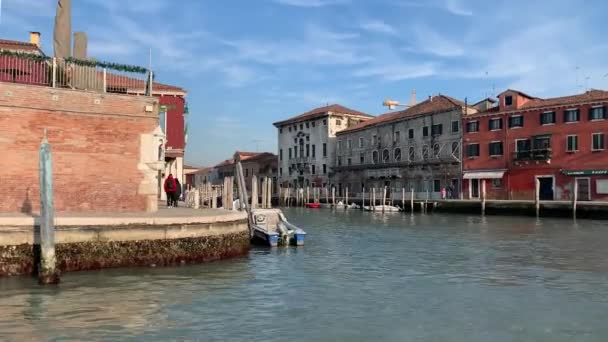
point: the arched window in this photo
(397, 154)
(386, 156)
(301, 148)
(425, 152)
(375, 157)
(412, 153)
(436, 150)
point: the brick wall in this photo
(95, 143)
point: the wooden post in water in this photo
(384, 199)
(363, 199)
(326, 195)
(333, 196)
(374, 199)
(231, 194)
(269, 197)
(483, 197)
(307, 194)
(537, 196)
(412, 200)
(574, 197)
(213, 198)
(346, 199)
(254, 192)
(47, 272)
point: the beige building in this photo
(417, 148)
(306, 144)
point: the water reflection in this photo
(361, 276)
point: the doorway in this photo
(583, 185)
(546, 188)
(474, 188)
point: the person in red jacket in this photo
(170, 188)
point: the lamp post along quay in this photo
(47, 272)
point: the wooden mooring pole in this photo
(574, 197)
(333, 196)
(346, 199)
(537, 196)
(483, 197)
(383, 199)
(412, 200)
(47, 271)
(374, 199)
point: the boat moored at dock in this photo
(270, 227)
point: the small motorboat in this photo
(270, 227)
(381, 208)
(313, 205)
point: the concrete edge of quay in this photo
(88, 243)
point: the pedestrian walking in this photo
(178, 193)
(170, 188)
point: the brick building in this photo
(104, 149)
(558, 141)
(172, 99)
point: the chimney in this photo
(413, 97)
(35, 38)
(80, 45)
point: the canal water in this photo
(361, 277)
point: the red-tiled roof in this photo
(322, 111)
(6, 44)
(518, 92)
(133, 84)
(243, 156)
(436, 104)
(589, 96)
(536, 103)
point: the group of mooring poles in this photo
(301, 196)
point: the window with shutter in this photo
(516, 121)
(571, 115)
(597, 113)
(547, 118)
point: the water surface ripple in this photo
(361, 277)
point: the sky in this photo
(249, 63)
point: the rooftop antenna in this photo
(486, 95)
(257, 144)
(587, 82)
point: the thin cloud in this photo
(311, 3)
(378, 26)
(427, 40)
(456, 7)
(397, 72)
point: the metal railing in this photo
(71, 74)
(534, 154)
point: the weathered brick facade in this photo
(96, 140)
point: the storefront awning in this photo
(483, 174)
(585, 172)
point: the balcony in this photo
(72, 73)
(543, 154)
